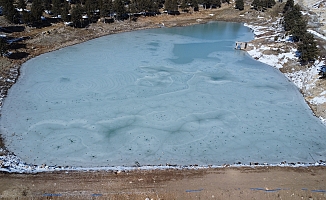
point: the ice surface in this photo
(172, 95)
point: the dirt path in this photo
(224, 183)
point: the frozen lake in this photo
(171, 95)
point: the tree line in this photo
(72, 10)
(296, 25)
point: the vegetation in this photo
(288, 5)
(21, 4)
(296, 25)
(56, 7)
(239, 4)
(308, 48)
(76, 16)
(36, 11)
(9, 10)
(262, 5)
(171, 5)
(3, 46)
(119, 8)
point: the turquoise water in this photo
(171, 95)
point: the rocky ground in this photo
(220, 183)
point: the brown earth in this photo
(221, 183)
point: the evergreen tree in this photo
(299, 29)
(270, 3)
(294, 23)
(257, 5)
(21, 4)
(3, 46)
(119, 8)
(217, 3)
(184, 5)
(171, 5)
(308, 48)
(239, 4)
(151, 6)
(46, 4)
(9, 10)
(288, 5)
(168, 5)
(105, 8)
(291, 16)
(26, 17)
(194, 4)
(76, 15)
(174, 5)
(65, 11)
(90, 7)
(36, 10)
(56, 7)
(207, 4)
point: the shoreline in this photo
(146, 23)
(223, 183)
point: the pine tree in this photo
(308, 48)
(36, 10)
(291, 16)
(119, 8)
(90, 7)
(9, 10)
(46, 4)
(65, 11)
(299, 29)
(105, 8)
(295, 23)
(194, 4)
(270, 3)
(288, 5)
(168, 5)
(56, 7)
(26, 17)
(217, 3)
(184, 5)
(21, 4)
(76, 15)
(174, 5)
(239, 4)
(3, 46)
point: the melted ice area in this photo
(171, 95)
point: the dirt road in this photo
(222, 183)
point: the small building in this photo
(241, 45)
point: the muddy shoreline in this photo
(220, 183)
